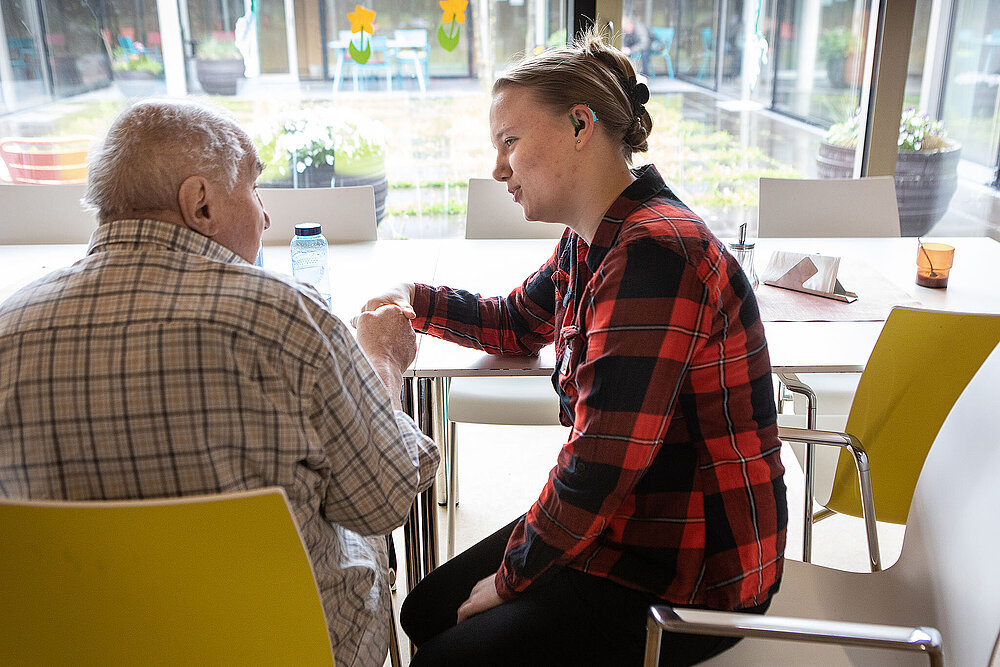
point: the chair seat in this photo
(526, 401)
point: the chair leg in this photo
(796, 386)
(452, 489)
(395, 659)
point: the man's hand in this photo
(388, 340)
(400, 296)
(386, 333)
(483, 597)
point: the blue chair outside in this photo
(379, 63)
(663, 38)
(411, 47)
(706, 55)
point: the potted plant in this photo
(219, 66)
(136, 73)
(833, 49)
(926, 166)
(325, 146)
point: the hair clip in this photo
(638, 94)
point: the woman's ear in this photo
(195, 201)
(583, 119)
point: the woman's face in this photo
(535, 154)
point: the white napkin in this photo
(795, 270)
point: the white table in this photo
(496, 267)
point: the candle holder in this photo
(934, 262)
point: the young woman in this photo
(669, 488)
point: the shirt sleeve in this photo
(646, 317)
(379, 459)
(519, 324)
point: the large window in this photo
(740, 88)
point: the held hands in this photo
(483, 597)
(385, 334)
(400, 295)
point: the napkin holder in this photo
(792, 270)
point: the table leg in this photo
(411, 534)
(340, 70)
(426, 391)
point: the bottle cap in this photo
(308, 229)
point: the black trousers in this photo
(566, 618)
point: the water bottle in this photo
(309, 257)
(260, 255)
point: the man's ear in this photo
(196, 204)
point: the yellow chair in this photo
(220, 580)
(921, 363)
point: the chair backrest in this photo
(828, 207)
(346, 214)
(46, 160)
(952, 538)
(665, 36)
(44, 214)
(205, 579)
(921, 363)
(410, 39)
(492, 214)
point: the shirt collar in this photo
(136, 233)
(647, 184)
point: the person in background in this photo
(637, 43)
(164, 364)
(669, 487)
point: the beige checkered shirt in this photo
(164, 365)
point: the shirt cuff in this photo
(504, 590)
(421, 306)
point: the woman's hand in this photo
(483, 597)
(401, 295)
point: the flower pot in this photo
(314, 176)
(219, 77)
(367, 169)
(377, 181)
(138, 83)
(925, 182)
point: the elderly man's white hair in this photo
(152, 147)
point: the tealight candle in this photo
(933, 264)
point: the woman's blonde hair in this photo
(589, 72)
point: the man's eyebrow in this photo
(259, 167)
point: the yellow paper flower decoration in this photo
(361, 20)
(454, 10)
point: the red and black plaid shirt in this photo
(671, 481)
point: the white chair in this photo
(522, 401)
(828, 208)
(44, 214)
(493, 214)
(946, 577)
(346, 214)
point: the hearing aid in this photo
(577, 125)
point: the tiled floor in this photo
(502, 469)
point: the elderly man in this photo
(165, 364)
